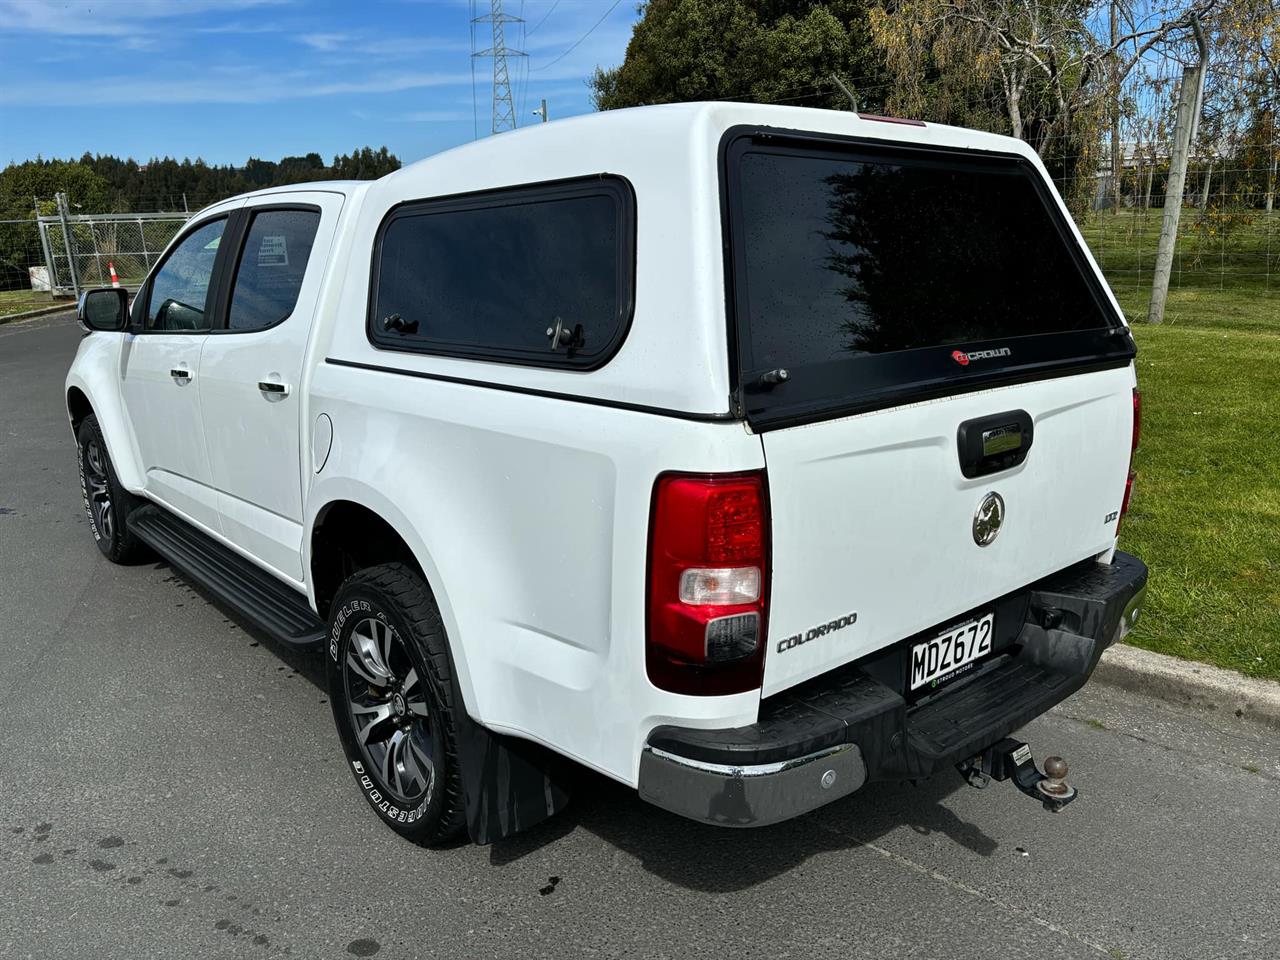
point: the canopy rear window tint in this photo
(863, 268)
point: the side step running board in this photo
(273, 607)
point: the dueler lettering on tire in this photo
(85, 493)
(389, 685)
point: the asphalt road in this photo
(171, 787)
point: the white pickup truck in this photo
(743, 454)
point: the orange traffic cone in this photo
(115, 281)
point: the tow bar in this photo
(1011, 760)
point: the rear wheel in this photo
(107, 503)
(390, 687)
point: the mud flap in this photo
(508, 784)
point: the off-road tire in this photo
(106, 502)
(393, 607)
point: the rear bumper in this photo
(825, 739)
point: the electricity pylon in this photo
(504, 110)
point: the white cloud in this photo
(351, 46)
(66, 18)
(432, 116)
(229, 85)
(324, 41)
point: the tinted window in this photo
(859, 255)
(272, 265)
(179, 297)
(866, 275)
(487, 277)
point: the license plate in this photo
(951, 653)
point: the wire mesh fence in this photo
(1228, 227)
(24, 276)
(41, 261)
(82, 253)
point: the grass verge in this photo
(1206, 508)
(20, 301)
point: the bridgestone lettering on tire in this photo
(389, 686)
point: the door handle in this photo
(273, 389)
(180, 375)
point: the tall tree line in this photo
(107, 184)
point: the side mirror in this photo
(104, 308)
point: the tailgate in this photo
(872, 514)
(919, 331)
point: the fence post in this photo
(66, 242)
(1189, 98)
(42, 228)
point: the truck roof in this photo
(345, 187)
(673, 123)
(682, 121)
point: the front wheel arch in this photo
(78, 407)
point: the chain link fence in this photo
(41, 261)
(80, 250)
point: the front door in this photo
(251, 372)
(160, 375)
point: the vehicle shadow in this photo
(693, 855)
(719, 860)
(306, 661)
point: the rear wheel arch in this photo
(340, 543)
(347, 537)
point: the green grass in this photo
(20, 301)
(1206, 508)
(1216, 278)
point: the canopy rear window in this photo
(873, 273)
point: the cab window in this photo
(271, 269)
(180, 290)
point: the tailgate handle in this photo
(995, 443)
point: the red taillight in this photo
(1133, 449)
(708, 583)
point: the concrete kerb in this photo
(32, 314)
(1191, 684)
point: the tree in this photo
(1052, 61)
(364, 164)
(767, 51)
(20, 183)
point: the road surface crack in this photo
(962, 887)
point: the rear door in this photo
(251, 368)
(943, 389)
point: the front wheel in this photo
(106, 501)
(390, 687)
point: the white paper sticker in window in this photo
(273, 252)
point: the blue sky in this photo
(229, 79)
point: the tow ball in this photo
(1011, 760)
